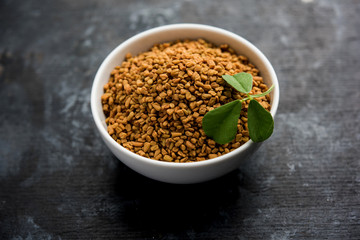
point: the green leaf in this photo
(240, 81)
(221, 123)
(264, 93)
(260, 122)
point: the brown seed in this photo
(137, 144)
(163, 76)
(131, 115)
(154, 147)
(127, 102)
(206, 96)
(212, 156)
(175, 134)
(179, 142)
(146, 146)
(168, 158)
(211, 63)
(188, 133)
(127, 88)
(189, 145)
(170, 111)
(158, 157)
(199, 84)
(110, 130)
(105, 96)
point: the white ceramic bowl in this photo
(179, 172)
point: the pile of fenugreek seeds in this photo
(154, 102)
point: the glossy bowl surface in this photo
(179, 172)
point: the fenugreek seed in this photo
(170, 111)
(149, 130)
(110, 130)
(212, 93)
(212, 101)
(196, 135)
(181, 154)
(175, 134)
(154, 135)
(189, 145)
(199, 84)
(187, 119)
(156, 106)
(163, 151)
(204, 77)
(163, 76)
(192, 153)
(212, 156)
(131, 115)
(122, 135)
(211, 63)
(168, 158)
(127, 88)
(202, 110)
(190, 64)
(105, 96)
(146, 146)
(199, 119)
(179, 142)
(180, 112)
(154, 148)
(188, 95)
(238, 137)
(235, 145)
(162, 95)
(137, 144)
(195, 76)
(265, 105)
(263, 86)
(157, 152)
(229, 66)
(207, 87)
(203, 148)
(215, 150)
(182, 147)
(205, 96)
(188, 133)
(158, 157)
(211, 142)
(141, 153)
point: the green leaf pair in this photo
(221, 123)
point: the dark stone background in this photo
(59, 181)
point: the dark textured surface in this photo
(59, 181)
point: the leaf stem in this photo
(264, 93)
(249, 96)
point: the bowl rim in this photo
(179, 26)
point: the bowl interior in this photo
(144, 41)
